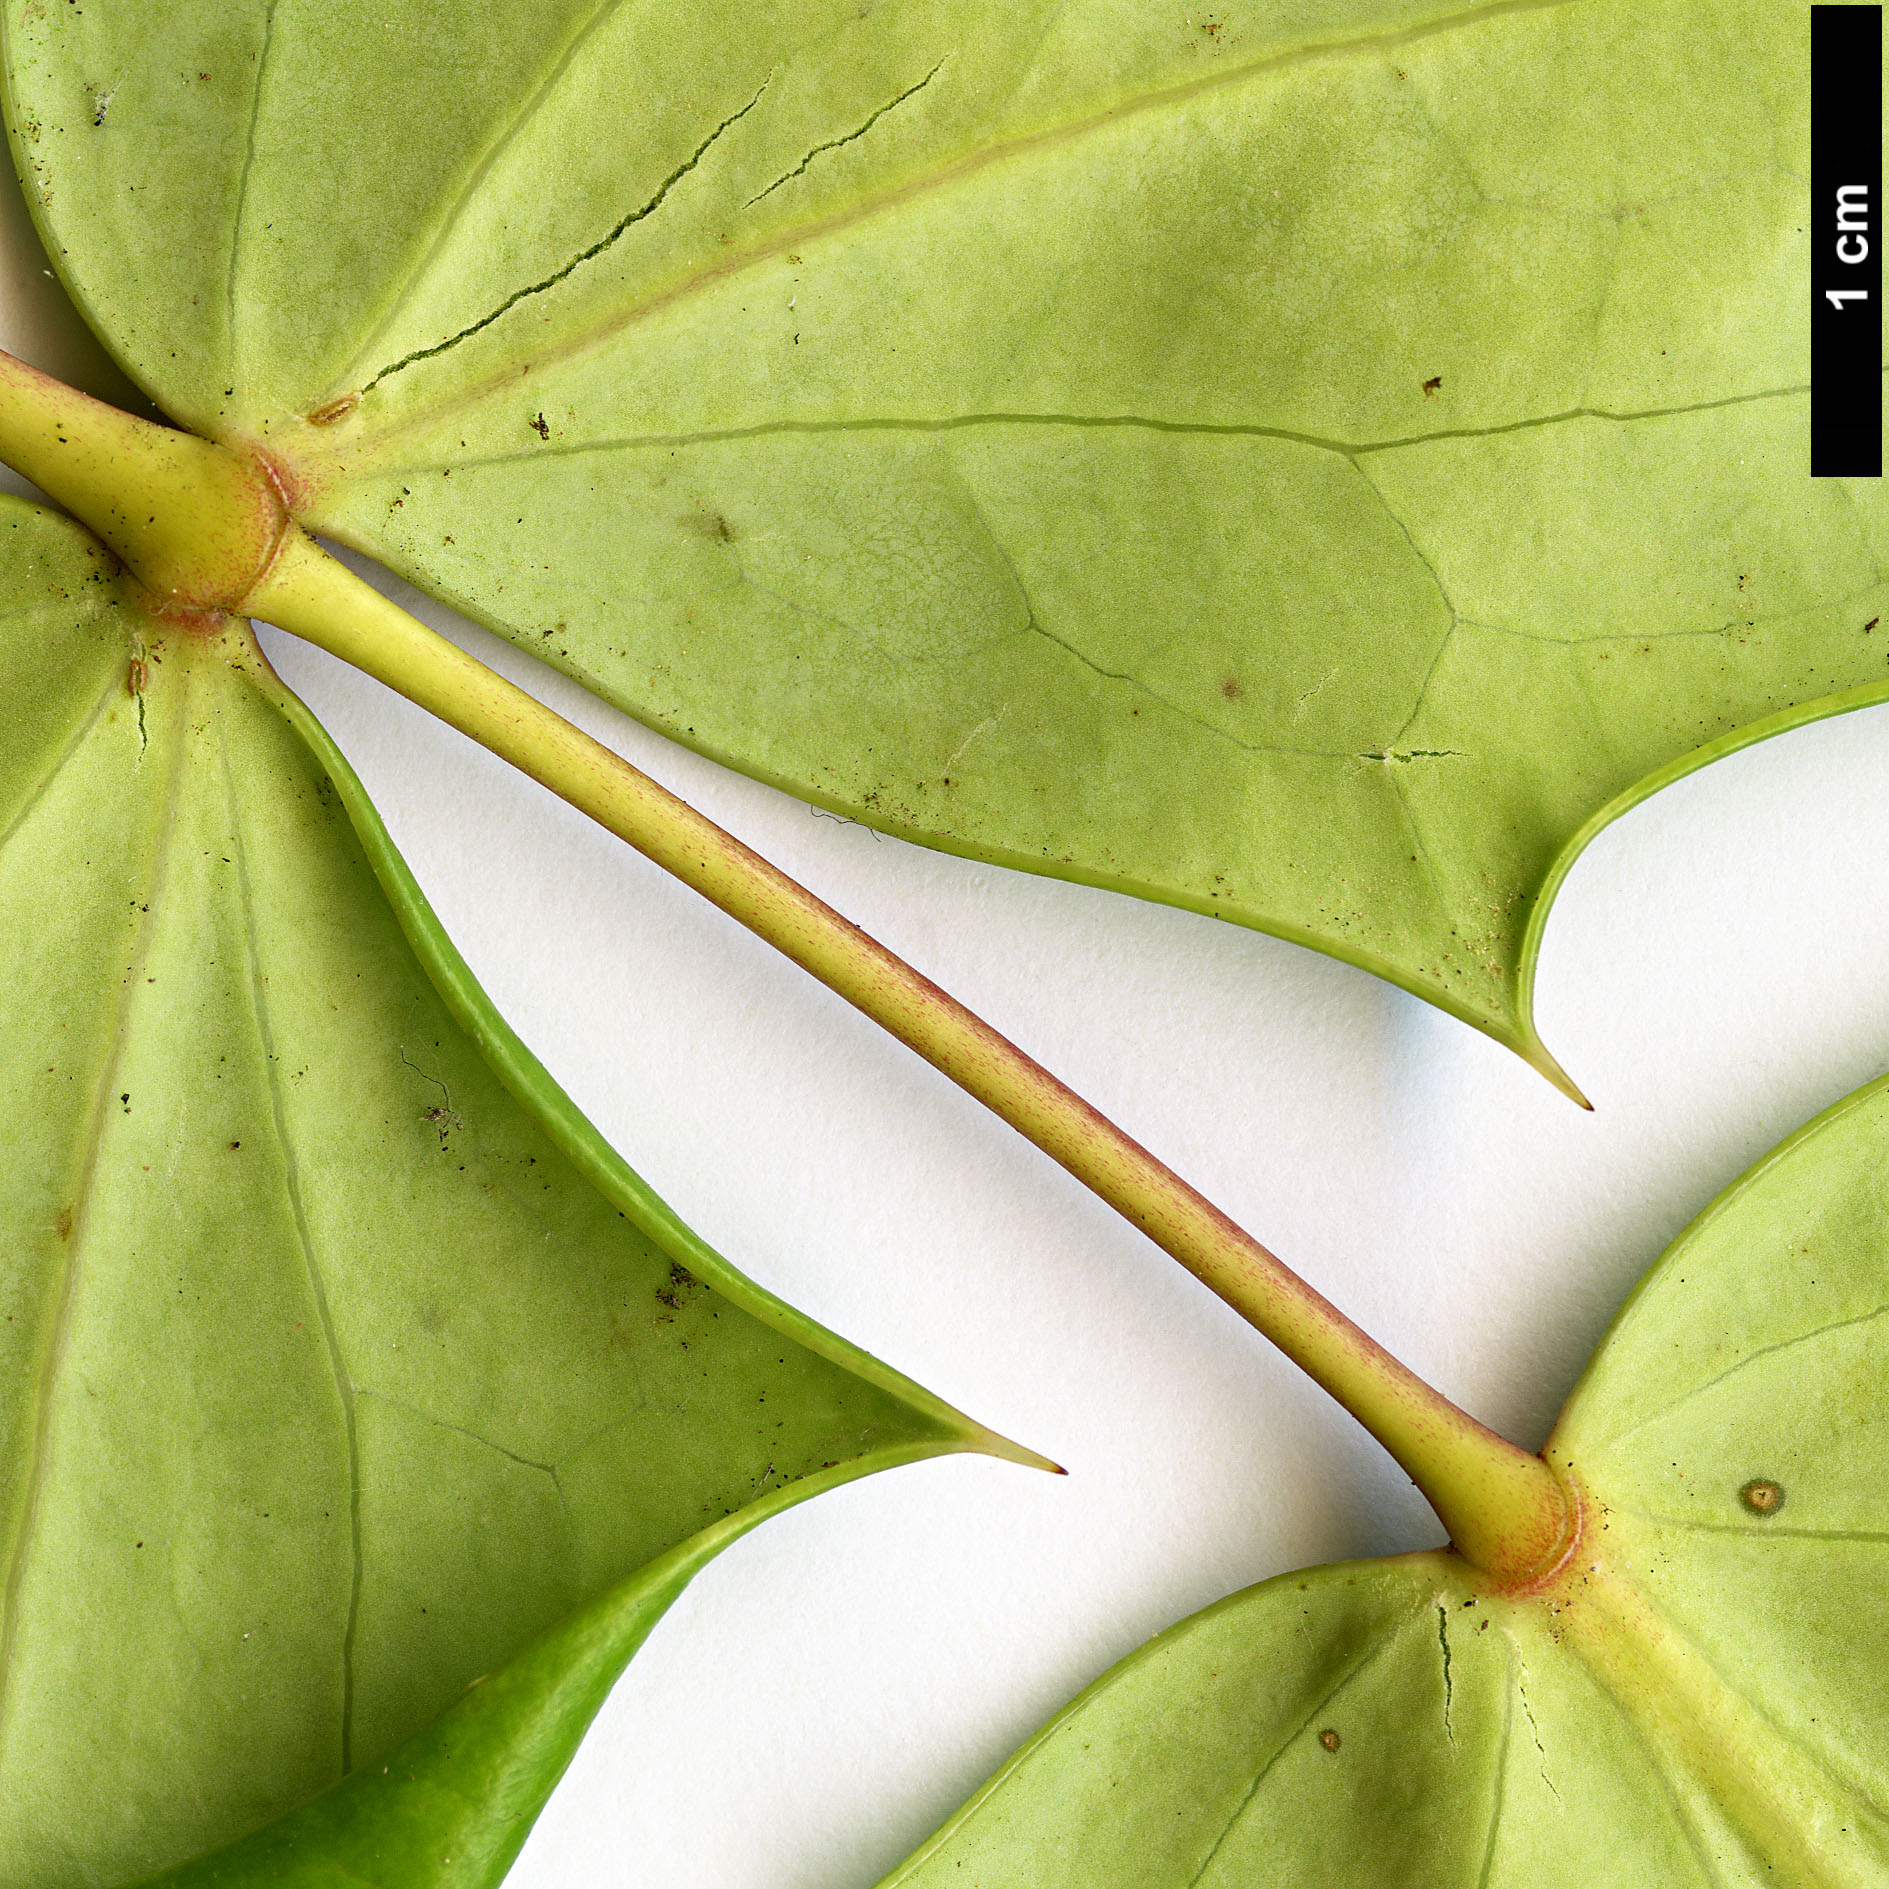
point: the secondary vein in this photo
(157, 872)
(951, 423)
(317, 1285)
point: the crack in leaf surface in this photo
(1449, 1691)
(852, 137)
(596, 249)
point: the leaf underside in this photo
(340, 1361)
(1699, 1701)
(1313, 462)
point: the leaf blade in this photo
(338, 1382)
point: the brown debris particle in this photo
(680, 1287)
(333, 411)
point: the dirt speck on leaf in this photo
(678, 1289)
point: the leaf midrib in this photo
(1835, 1780)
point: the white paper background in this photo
(1716, 972)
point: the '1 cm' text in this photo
(1852, 238)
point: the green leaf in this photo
(1695, 1697)
(342, 1365)
(1313, 463)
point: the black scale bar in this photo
(1846, 242)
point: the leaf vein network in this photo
(45, 784)
(242, 183)
(1499, 1793)
(534, 103)
(1750, 1357)
(471, 1436)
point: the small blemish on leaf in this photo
(333, 411)
(1232, 688)
(63, 1225)
(711, 525)
(678, 1289)
(1330, 1739)
(1762, 1497)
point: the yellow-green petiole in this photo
(204, 529)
